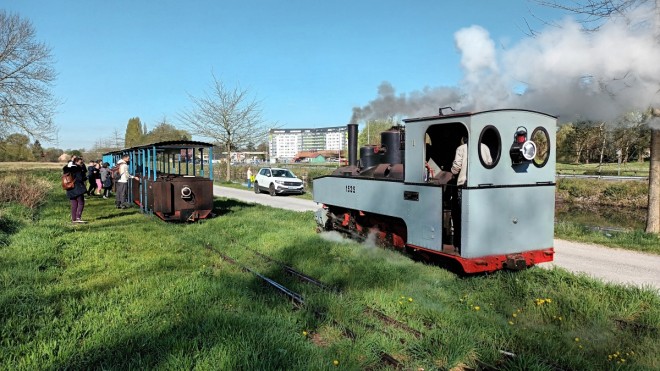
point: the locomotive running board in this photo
(492, 263)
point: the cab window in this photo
(490, 138)
(541, 138)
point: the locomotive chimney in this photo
(352, 144)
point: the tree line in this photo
(586, 142)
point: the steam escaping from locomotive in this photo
(563, 71)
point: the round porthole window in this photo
(541, 138)
(490, 147)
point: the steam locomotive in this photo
(404, 193)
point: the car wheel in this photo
(271, 189)
(256, 188)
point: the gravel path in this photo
(608, 264)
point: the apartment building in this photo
(284, 144)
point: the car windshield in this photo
(283, 174)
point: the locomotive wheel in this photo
(271, 189)
(256, 188)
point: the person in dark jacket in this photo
(92, 175)
(106, 179)
(76, 168)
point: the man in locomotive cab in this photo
(460, 164)
(459, 168)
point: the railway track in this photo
(299, 302)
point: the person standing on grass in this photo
(121, 188)
(91, 170)
(97, 178)
(249, 177)
(76, 195)
(106, 179)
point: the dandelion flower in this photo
(577, 340)
(511, 322)
(410, 299)
(304, 333)
(335, 362)
(515, 315)
(476, 307)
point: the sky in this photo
(310, 63)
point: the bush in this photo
(600, 192)
(616, 191)
(577, 188)
(24, 189)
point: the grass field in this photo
(625, 169)
(129, 291)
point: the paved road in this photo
(282, 202)
(608, 264)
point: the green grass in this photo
(130, 291)
(619, 207)
(635, 240)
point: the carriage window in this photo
(541, 138)
(490, 143)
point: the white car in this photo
(277, 181)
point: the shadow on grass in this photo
(8, 227)
(221, 207)
(209, 332)
(115, 215)
(226, 206)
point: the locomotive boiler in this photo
(500, 216)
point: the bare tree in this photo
(117, 139)
(26, 76)
(228, 116)
(594, 12)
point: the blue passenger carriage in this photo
(176, 179)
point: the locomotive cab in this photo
(501, 216)
(506, 205)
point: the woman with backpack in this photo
(76, 195)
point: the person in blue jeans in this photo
(249, 177)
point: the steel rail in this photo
(296, 273)
(294, 296)
(298, 299)
(368, 310)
